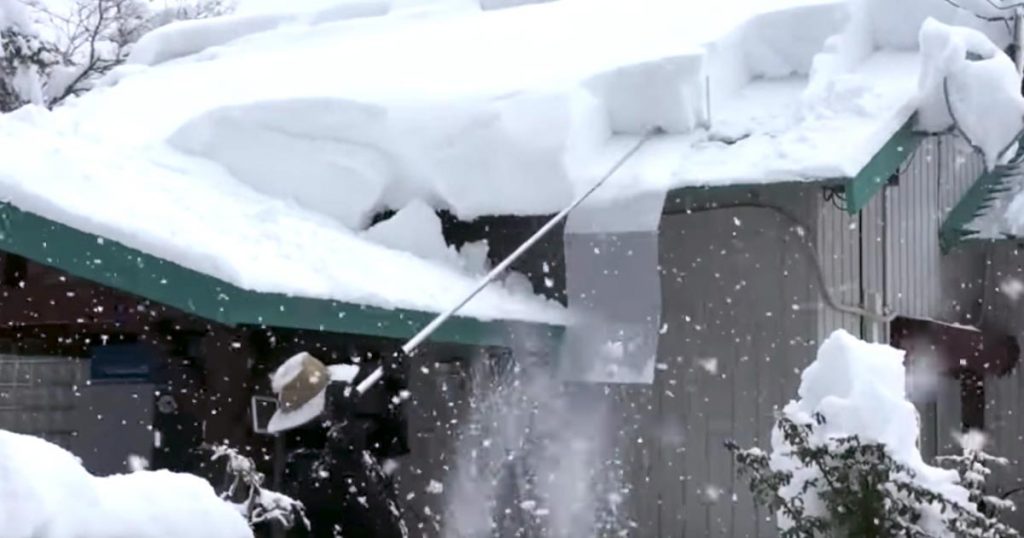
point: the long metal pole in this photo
(429, 329)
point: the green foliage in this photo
(850, 488)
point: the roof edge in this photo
(110, 263)
(874, 176)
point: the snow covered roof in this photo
(255, 148)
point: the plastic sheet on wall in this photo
(614, 291)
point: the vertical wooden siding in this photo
(739, 331)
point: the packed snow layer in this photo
(45, 493)
(860, 389)
(261, 158)
(967, 81)
(191, 212)
(458, 110)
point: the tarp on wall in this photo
(614, 291)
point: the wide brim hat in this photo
(300, 386)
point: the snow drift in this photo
(860, 389)
(45, 493)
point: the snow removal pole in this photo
(429, 329)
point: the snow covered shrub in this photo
(71, 45)
(25, 59)
(844, 459)
(973, 465)
(863, 490)
(259, 505)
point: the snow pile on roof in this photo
(45, 492)
(261, 158)
(969, 83)
(860, 389)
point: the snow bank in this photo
(979, 81)
(45, 493)
(860, 389)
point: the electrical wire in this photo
(819, 272)
(982, 17)
(960, 131)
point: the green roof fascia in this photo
(112, 264)
(875, 175)
(678, 200)
(953, 229)
(858, 190)
(978, 198)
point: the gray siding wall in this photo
(40, 396)
(1004, 397)
(839, 251)
(740, 324)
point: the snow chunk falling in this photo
(1012, 288)
(416, 229)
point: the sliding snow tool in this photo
(429, 329)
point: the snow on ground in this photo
(261, 158)
(45, 493)
(860, 389)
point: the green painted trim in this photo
(859, 190)
(112, 264)
(876, 173)
(979, 197)
(953, 229)
(683, 199)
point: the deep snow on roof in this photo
(260, 157)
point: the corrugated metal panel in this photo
(872, 264)
(912, 245)
(959, 167)
(931, 184)
(839, 253)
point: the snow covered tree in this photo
(94, 36)
(845, 459)
(863, 490)
(25, 59)
(50, 52)
(974, 466)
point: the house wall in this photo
(1004, 396)
(890, 249)
(739, 323)
(744, 315)
(38, 396)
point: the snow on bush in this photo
(25, 59)
(968, 83)
(845, 459)
(46, 493)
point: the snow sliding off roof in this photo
(256, 148)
